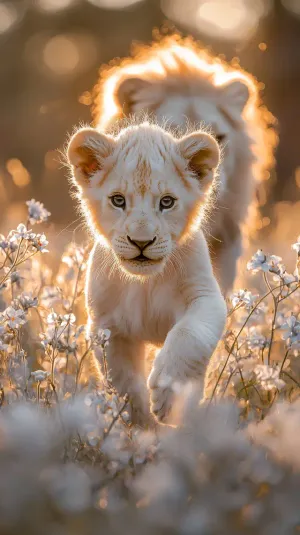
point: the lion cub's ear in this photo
(203, 156)
(86, 153)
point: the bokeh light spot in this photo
(263, 46)
(19, 173)
(86, 98)
(218, 14)
(292, 5)
(234, 20)
(226, 18)
(61, 55)
(114, 4)
(8, 17)
(52, 6)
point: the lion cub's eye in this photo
(166, 202)
(118, 201)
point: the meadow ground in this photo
(71, 462)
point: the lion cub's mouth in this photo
(142, 258)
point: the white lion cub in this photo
(150, 279)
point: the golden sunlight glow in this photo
(20, 175)
(102, 241)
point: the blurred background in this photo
(50, 53)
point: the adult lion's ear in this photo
(234, 97)
(203, 156)
(86, 153)
(136, 92)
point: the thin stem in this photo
(284, 359)
(291, 377)
(236, 338)
(14, 264)
(78, 374)
(69, 328)
(274, 317)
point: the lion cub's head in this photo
(142, 190)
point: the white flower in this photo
(50, 295)
(68, 319)
(100, 338)
(21, 232)
(262, 262)
(37, 213)
(15, 318)
(27, 301)
(52, 318)
(39, 375)
(268, 377)
(74, 256)
(15, 278)
(243, 297)
(287, 278)
(292, 327)
(40, 242)
(4, 243)
(296, 246)
(256, 340)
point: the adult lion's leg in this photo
(225, 257)
(126, 366)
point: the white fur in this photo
(172, 301)
(179, 82)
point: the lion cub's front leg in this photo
(125, 363)
(186, 350)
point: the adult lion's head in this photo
(178, 80)
(143, 190)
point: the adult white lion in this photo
(179, 81)
(150, 278)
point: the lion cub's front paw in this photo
(166, 378)
(162, 384)
(161, 397)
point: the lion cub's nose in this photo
(141, 244)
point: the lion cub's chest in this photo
(145, 311)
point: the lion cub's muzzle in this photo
(142, 247)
